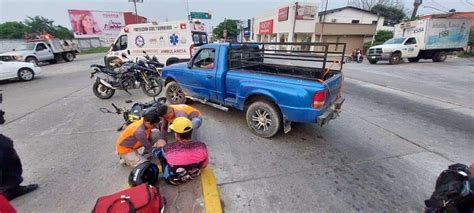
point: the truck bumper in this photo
(332, 112)
(379, 57)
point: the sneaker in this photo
(19, 191)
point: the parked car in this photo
(52, 51)
(23, 71)
(274, 85)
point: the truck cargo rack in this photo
(297, 59)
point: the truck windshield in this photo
(199, 38)
(395, 41)
(30, 46)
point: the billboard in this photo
(266, 27)
(306, 12)
(283, 13)
(87, 24)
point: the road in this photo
(400, 126)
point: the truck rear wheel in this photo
(439, 57)
(414, 60)
(395, 58)
(174, 94)
(68, 56)
(264, 118)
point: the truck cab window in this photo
(40, 47)
(410, 41)
(121, 43)
(204, 59)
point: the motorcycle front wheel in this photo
(101, 91)
(153, 87)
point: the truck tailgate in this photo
(333, 84)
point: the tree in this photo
(12, 30)
(381, 37)
(368, 4)
(393, 15)
(229, 25)
(62, 32)
(37, 24)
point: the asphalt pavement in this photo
(400, 127)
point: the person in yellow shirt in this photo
(138, 134)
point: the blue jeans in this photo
(196, 124)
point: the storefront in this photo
(293, 22)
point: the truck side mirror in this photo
(190, 64)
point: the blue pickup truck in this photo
(274, 85)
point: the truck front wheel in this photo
(264, 118)
(32, 60)
(439, 57)
(395, 58)
(174, 94)
(68, 56)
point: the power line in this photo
(440, 5)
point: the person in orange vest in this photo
(170, 112)
(141, 133)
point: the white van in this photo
(171, 42)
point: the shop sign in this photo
(306, 12)
(266, 27)
(283, 13)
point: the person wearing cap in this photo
(184, 159)
(171, 112)
(141, 133)
(10, 168)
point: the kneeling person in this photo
(136, 135)
(183, 160)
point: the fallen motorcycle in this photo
(129, 75)
(136, 112)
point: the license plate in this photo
(373, 57)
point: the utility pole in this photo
(416, 4)
(187, 10)
(136, 11)
(294, 23)
(324, 20)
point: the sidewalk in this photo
(198, 195)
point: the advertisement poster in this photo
(93, 24)
(266, 27)
(283, 13)
(306, 12)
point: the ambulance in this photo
(171, 42)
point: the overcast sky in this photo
(160, 10)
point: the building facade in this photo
(288, 23)
(131, 18)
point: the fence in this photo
(7, 45)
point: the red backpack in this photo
(140, 199)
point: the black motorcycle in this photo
(136, 112)
(129, 75)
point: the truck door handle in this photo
(209, 76)
(416, 45)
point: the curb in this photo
(210, 192)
